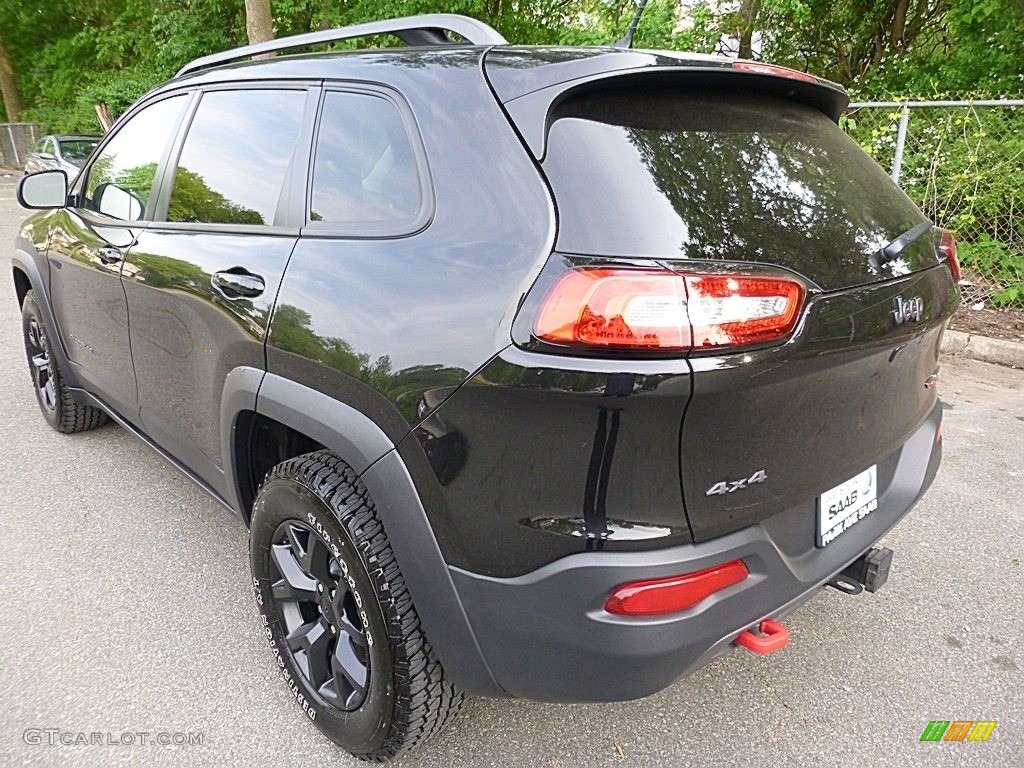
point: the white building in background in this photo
(728, 44)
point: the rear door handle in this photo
(110, 255)
(237, 282)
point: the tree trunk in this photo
(748, 21)
(259, 25)
(103, 115)
(12, 101)
(899, 24)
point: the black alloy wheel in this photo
(319, 610)
(41, 364)
(56, 401)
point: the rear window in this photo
(726, 176)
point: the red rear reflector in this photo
(948, 247)
(769, 69)
(653, 597)
(661, 309)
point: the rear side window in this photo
(728, 176)
(365, 171)
(235, 157)
(121, 177)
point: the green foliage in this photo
(70, 54)
(997, 261)
(962, 167)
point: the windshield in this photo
(724, 176)
(77, 151)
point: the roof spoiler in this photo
(530, 95)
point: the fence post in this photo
(14, 147)
(901, 140)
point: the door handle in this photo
(110, 255)
(237, 282)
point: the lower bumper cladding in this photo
(548, 634)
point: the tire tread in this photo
(425, 700)
(71, 416)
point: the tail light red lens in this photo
(660, 309)
(948, 247)
(653, 597)
(769, 69)
(631, 308)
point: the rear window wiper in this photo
(900, 242)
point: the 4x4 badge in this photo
(907, 309)
(731, 486)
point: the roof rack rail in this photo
(425, 29)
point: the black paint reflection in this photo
(291, 331)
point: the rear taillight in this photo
(659, 309)
(653, 597)
(769, 69)
(948, 247)
(733, 311)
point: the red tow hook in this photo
(773, 637)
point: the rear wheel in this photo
(339, 618)
(55, 401)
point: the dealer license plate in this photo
(847, 504)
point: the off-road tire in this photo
(408, 699)
(55, 401)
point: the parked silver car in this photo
(65, 153)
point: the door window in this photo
(236, 157)
(122, 175)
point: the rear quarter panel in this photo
(393, 326)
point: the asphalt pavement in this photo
(125, 612)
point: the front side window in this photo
(121, 178)
(364, 170)
(236, 156)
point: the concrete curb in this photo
(983, 348)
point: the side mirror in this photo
(44, 190)
(116, 202)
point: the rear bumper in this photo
(545, 635)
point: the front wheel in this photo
(335, 608)
(55, 401)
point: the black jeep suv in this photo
(541, 372)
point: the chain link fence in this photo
(962, 162)
(16, 141)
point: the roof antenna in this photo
(626, 41)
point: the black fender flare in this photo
(28, 265)
(360, 443)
